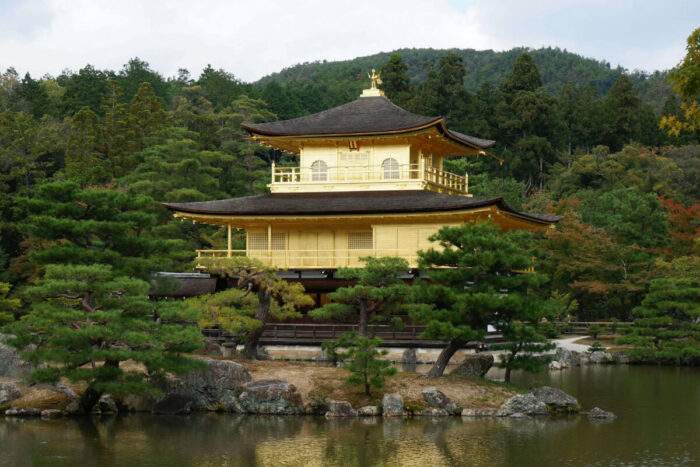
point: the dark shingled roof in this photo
(366, 115)
(353, 202)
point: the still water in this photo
(658, 425)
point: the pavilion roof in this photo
(365, 116)
(355, 202)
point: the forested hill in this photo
(556, 67)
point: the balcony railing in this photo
(311, 259)
(390, 173)
(314, 259)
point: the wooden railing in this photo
(369, 173)
(312, 259)
(314, 334)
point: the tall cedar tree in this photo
(87, 319)
(667, 323)
(277, 297)
(378, 293)
(8, 306)
(395, 81)
(621, 118)
(146, 115)
(473, 283)
(84, 162)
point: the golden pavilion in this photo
(369, 182)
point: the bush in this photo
(596, 347)
(332, 347)
(594, 330)
(319, 403)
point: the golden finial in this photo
(375, 78)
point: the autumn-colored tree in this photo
(684, 228)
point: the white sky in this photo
(254, 38)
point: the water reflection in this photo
(658, 408)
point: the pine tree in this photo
(146, 114)
(364, 362)
(473, 283)
(277, 297)
(379, 292)
(8, 306)
(667, 328)
(524, 77)
(117, 141)
(621, 117)
(87, 319)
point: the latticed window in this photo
(258, 241)
(390, 167)
(360, 240)
(319, 171)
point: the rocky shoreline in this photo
(227, 386)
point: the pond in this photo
(658, 424)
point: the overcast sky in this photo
(254, 38)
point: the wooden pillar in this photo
(272, 180)
(466, 182)
(269, 243)
(230, 241)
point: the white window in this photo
(319, 171)
(359, 240)
(390, 168)
(258, 241)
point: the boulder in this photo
(106, 405)
(9, 392)
(436, 398)
(621, 358)
(526, 404)
(598, 413)
(137, 403)
(485, 412)
(556, 399)
(51, 413)
(368, 411)
(562, 354)
(11, 363)
(477, 365)
(214, 387)
(517, 415)
(392, 405)
(433, 412)
(600, 357)
(340, 409)
(210, 348)
(555, 365)
(173, 404)
(271, 396)
(23, 412)
(409, 357)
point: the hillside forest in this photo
(617, 154)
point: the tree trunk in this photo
(507, 377)
(444, 358)
(261, 314)
(362, 327)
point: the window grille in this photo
(258, 241)
(319, 171)
(390, 167)
(360, 240)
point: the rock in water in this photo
(477, 365)
(23, 412)
(9, 392)
(106, 405)
(601, 357)
(271, 396)
(433, 412)
(340, 409)
(51, 413)
(392, 405)
(485, 412)
(599, 413)
(556, 399)
(437, 398)
(368, 411)
(173, 404)
(215, 387)
(522, 403)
